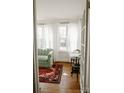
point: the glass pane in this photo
(62, 31)
(63, 37)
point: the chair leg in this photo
(71, 73)
(77, 75)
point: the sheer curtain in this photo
(67, 40)
(72, 37)
(68, 37)
(44, 36)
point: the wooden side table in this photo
(75, 65)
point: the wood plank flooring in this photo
(68, 84)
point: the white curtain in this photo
(72, 37)
(44, 36)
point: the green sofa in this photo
(45, 57)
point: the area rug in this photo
(51, 75)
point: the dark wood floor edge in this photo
(62, 62)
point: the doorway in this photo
(60, 35)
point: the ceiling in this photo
(58, 9)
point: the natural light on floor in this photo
(65, 74)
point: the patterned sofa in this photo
(45, 57)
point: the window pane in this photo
(63, 37)
(63, 43)
(62, 31)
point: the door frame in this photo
(35, 61)
(87, 51)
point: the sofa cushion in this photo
(49, 49)
(39, 52)
(43, 58)
(45, 52)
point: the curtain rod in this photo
(64, 22)
(41, 24)
(58, 22)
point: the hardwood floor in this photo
(68, 84)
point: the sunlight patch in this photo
(65, 74)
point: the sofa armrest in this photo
(50, 57)
(50, 53)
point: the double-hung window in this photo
(44, 36)
(63, 37)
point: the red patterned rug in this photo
(50, 75)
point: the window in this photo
(63, 37)
(44, 36)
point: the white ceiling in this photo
(58, 9)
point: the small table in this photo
(75, 58)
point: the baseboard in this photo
(62, 62)
(82, 90)
(86, 90)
